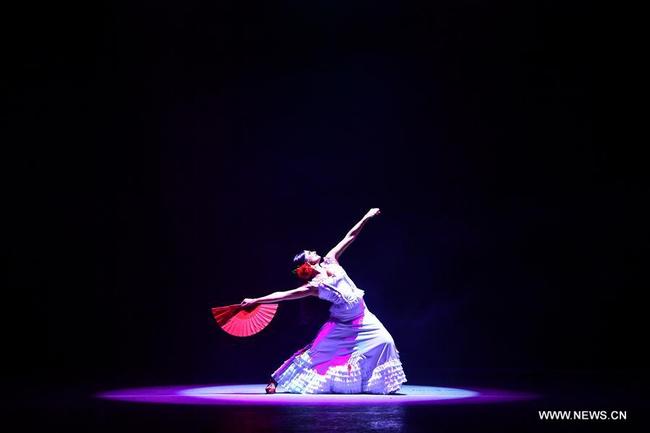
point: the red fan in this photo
(244, 321)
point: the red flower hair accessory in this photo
(305, 271)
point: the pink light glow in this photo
(255, 395)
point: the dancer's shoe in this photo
(270, 388)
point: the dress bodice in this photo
(340, 290)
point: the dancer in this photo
(352, 352)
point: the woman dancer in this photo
(352, 352)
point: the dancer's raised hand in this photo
(372, 212)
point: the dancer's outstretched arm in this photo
(300, 292)
(352, 234)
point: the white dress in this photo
(352, 352)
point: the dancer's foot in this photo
(270, 388)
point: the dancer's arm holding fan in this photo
(287, 295)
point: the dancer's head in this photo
(309, 256)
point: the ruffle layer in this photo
(300, 378)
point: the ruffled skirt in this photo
(347, 358)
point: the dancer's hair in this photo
(299, 258)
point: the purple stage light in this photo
(255, 395)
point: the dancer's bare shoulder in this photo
(331, 266)
(331, 258)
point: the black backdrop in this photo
(167, 157)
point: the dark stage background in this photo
(168, 157)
